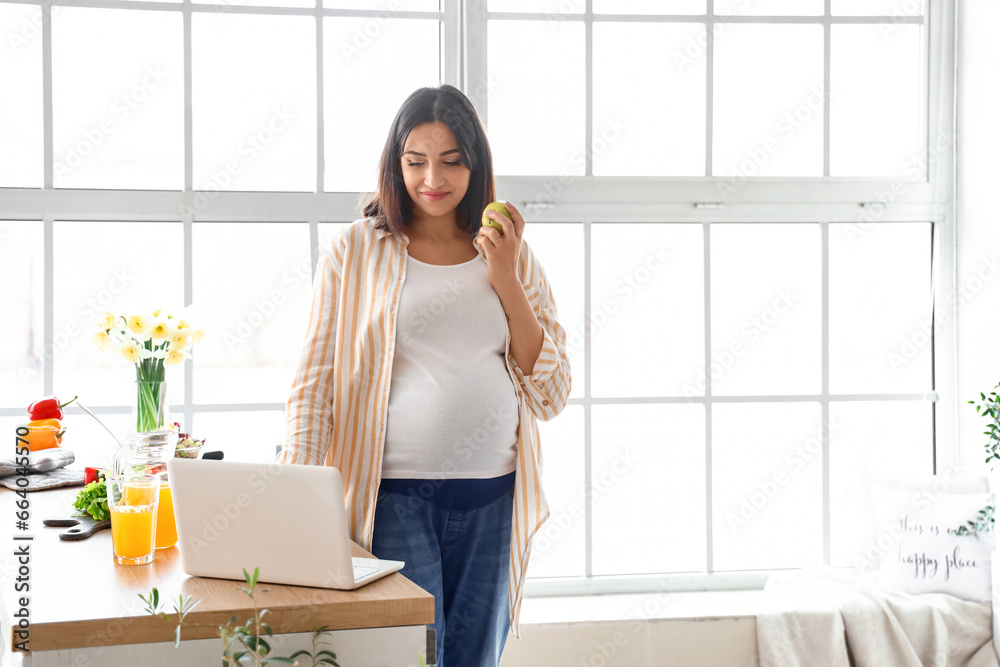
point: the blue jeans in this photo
(458, 554)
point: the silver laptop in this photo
(288, 520)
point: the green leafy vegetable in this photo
(93, 499)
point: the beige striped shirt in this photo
(336, 412)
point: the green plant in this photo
(989, 408)
(244, 644)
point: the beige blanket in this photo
(835, 618)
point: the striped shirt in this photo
(336, 411)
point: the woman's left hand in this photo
(502, 251)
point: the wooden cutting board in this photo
(80, 526)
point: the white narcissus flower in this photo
(145, 354)
(102, 339)
(131, 352)
(108, 321)
(138, 324)
(156, 313)
(174, 357)
(182, 324)
(198, 335)
(159, 330)
(180, 340)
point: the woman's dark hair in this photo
(391, 204)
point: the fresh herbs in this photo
(246, 643)
(93, 499)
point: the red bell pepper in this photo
(48, 408)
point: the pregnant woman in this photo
(432, 349)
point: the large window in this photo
(743, 208)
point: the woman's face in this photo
(431, 163)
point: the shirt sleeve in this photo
(548, 386)
(309, 410)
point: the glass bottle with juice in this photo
(148, 451)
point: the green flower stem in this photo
(149, 377)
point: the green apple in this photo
(499, 207)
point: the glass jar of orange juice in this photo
(148, 452)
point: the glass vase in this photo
(149, 408)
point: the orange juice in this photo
(137, 494)
(132, 534)
(166, 529)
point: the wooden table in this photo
(80, 598)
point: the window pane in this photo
(117, 99)
(133, 268)
(768, 101)
(553, 119)
(648, 482)
(21, 343)
(21, 80)
(648, 7)
(887, 437)
(253, 333)
(767, 485)
(765, 309)
(769, 7)
(393, 5)
(558, 548)
(880, 308)
(254, 89)
(647, 290)
(403, 55)
(877, 8)
(639, 130)
(242, 436)
(559, 249)
(877, 101)
(547, 6)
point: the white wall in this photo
(978, 217)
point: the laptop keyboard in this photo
(361, 571)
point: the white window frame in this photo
(586, 200)
(581, 200)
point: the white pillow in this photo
(929, 488)
(925, 553)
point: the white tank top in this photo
(453, 410)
